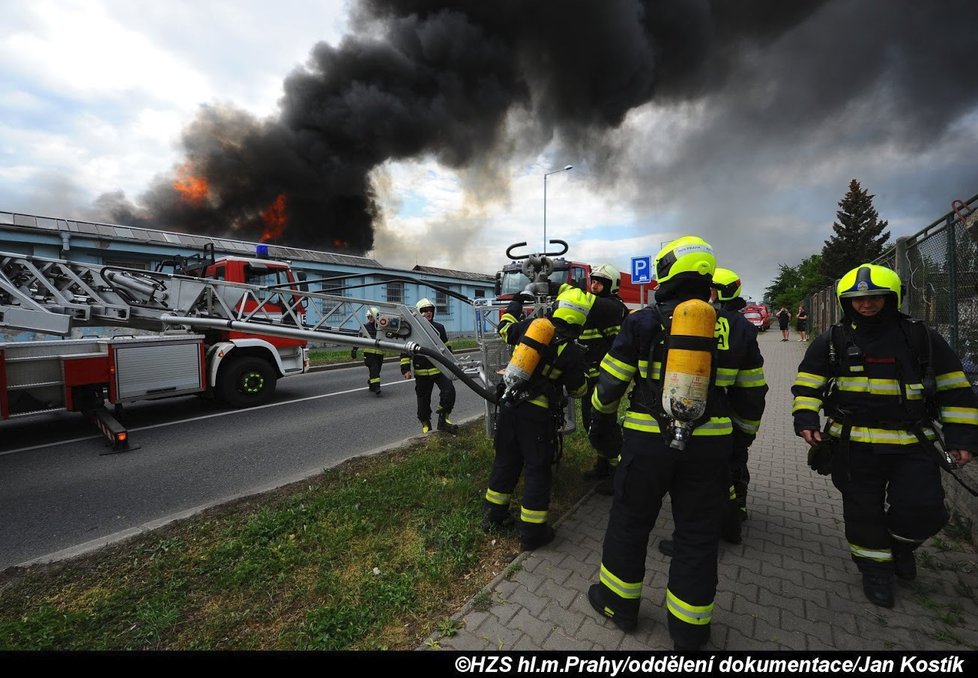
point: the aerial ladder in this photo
(197, 334)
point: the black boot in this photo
(595, 596)
(537, 539)
(445, 425)
(878, 587)
(904, 562)
(607, 486)
(599, 470)
(496, 523)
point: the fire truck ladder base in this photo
(116, 435)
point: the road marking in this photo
(99, 542)
(202, 417)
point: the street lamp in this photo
(565, 169)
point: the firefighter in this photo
(598, 335)
(725, 296)
(427, 376)
(373, 358)
(650, 465)
(883, 380)
(527, 430)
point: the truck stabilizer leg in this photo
(115, 433)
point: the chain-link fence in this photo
(939, 269)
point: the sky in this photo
(420, 131)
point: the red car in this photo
(758, 317)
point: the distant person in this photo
(784, 320)
(427, 375)
(801, 318)
(373, 358)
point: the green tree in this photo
(810, 273)
(860, 236)
(783, 290)
(795, 284)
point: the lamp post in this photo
(567, 168)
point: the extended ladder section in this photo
(52, 296)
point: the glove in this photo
(353, 352)
(820, 456)
(605, 434)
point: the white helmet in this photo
(610, 273)
(373, 312)
(423, 304)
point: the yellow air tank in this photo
(689, 362)
(526, 356)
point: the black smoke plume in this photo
(446, 79)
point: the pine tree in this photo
(859, 234)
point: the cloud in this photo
(742, 122)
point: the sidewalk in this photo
(790, 585)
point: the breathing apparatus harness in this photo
(918, 339)
(647, 397)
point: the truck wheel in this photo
(246, 382)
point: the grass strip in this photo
(376, 553)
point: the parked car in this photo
(758, 316)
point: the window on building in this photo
(333, 307)
(395, 292)
(480, 293)
(441, 303)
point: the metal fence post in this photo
(952, 287)
(903, 270)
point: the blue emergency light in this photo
(261, 251)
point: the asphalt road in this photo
(61, 495)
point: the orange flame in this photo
(193, 190)
(275, 219)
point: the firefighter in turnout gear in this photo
(373, 358)
(600, 330)
(883, 380)
(527, 428)
(427, 376)
(652, 461)
(725, 296)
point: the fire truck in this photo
(514, 277)
(226, 328)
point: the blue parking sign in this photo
(641, 270)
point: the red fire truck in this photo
(227, 328)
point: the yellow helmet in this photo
(573, 305)
(726, 283)
(870, 280)
(689, 256)
(609, 273)
(423, 304)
